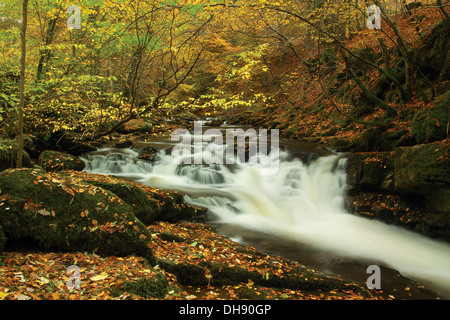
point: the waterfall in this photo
(300, 202)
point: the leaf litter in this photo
(44, 276)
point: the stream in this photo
(287, 200)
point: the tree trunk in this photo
(46, 52)
(405, 93)
(369, 95)
(22, 82)
(403, 49)
(401, 45)
(130, 88)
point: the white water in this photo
(304, 203)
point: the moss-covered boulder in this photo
(8, 155)
(150, 287)
(47, 211)
(144, 207)
(422, 168)
(58, 161)
(149, 205)
(423, 171)
(136, 125)
(371, 171)
(430, 124)
(296, 279)
(432, 57)
(187, 274)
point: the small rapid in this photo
(300, 202)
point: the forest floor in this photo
(44, 276)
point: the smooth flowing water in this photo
(302, 203)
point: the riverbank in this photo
(244, 273)
(195, 260)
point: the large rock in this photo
(430, 124)
(433, 55)
(413, 184)
(47, 211)
(149, 205)
(371, 171)
(58, 161)
(421, 169)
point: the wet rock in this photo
(58, 161)
(68, 142)
(148, 153)
(48, 212)
(379, 139)
(148, 205)
(135, 125)
(421, 169)
(214, 123)
(418, 174)
(371, 171)
(124, 144)
(439, 200)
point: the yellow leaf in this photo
(3, 295)
(43, 280)
(99, 277)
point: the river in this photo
(289, 202)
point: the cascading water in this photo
(303, 203)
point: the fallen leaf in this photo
(43, 280)
(99, 277)
(44, 212)
(19, 275)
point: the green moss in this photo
(432, 56)
(187, 274)
(148, 206)
(57, 161)
(360, 67)
(431, 125)
(54, 213)
(147, 287)
(8, 155)
(421, 168)
(296, 279)
(144, 208)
